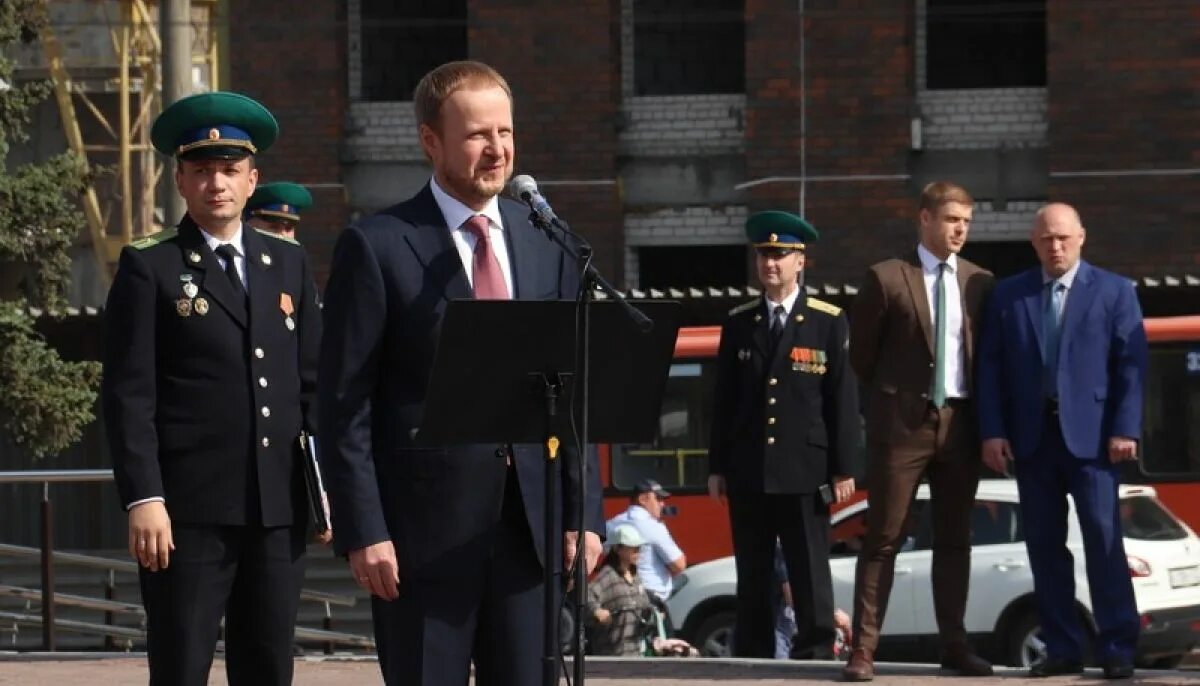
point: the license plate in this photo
(1186, 576)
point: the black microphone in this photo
(525, 189)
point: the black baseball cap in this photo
(650, 486)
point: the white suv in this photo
(1164, 561)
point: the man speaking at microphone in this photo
(447, 540)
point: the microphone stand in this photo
(590, 280)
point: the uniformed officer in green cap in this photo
(785, 433)
(276, 207)
(210, 346)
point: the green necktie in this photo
(939, 346)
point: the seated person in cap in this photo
(785, 433)
(210, 354)
(276, 207)
(661, 559)
(618, 608)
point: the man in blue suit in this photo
(447, 540)
(1062, 367)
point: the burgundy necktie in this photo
(485, 268)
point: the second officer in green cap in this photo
(785, 434)
(276, 207)
(210, 344)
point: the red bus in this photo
(678, 456)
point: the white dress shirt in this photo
(1067, 280)
(956, 381)
(455, 214)
(788, 303)
(239, 251)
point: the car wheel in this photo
(1025, 644)
(714, 636)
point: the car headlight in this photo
(678, 583)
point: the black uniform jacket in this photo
(393, 275)
(203, 399)
(785, 420)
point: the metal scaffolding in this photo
(114, 137)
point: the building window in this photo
(683, 47)
(718, 266)
(403, 39)
(1002, 258)
(984, 44)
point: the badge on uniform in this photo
(201, 306)
(266, 260)
(285, 304)
(744, 354)
(808, 360)
(183, 307)
(193, 257)
(189, 288)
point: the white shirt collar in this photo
(930, 262)
(1066, 279)
(455, 213)
(788, 302)
(213, 242)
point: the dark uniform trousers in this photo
(206, 389)
(490, 615)
(785, 423)
(251, 575)
(943, 447)
(802, 525)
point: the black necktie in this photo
(777, 316)
(226, 252)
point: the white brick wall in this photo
(983, 118)
(1010, 224)
(382, 131)
(674, 125)
(686, 226)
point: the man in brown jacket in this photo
(912, 332)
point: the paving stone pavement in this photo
(39, 669)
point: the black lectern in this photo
(510, 365)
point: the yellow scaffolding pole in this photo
(138, 50)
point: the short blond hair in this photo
(938, 193)
(443, 81)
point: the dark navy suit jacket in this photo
(1102, 362)
(392, 276)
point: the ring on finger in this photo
(141, 543)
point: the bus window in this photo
(678, 457)
(1171, 422)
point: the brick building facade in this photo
(656, 126)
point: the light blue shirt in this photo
(659, 550)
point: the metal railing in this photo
(49, 558)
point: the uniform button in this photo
(773, 381)
(266, 442)
(770, 401)
(258, 352)
(262, 381)
(501, 452)
(770, 420)
(925, 396)
(931, 365)
(771, 440)
(266, 411)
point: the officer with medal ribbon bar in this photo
(785, 434)
(211, 336)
